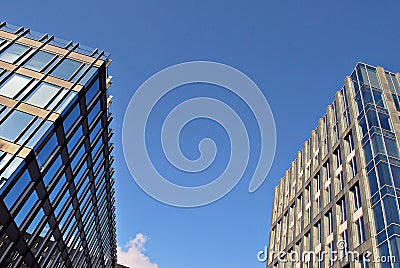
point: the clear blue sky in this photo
(298, 53)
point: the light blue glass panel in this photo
(66, 101)
(39, 61)
(28, 205)
(66, 69)
(39, 134)
(19, 187)
(12, 53)
(14, 85)
(43, 94)
(11, 166)
(14, 125)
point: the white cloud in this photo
(132, 254)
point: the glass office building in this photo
(56, 186)
(339, 200)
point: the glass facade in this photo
(56, 183)
(352, 163)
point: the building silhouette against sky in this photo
(340, 196)
(56, 186)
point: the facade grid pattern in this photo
(56, 184)
(344, 186)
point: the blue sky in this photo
(298, 53)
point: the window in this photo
(12, 127)
(71, 119)
(42, 95)
(87, 77)
(342, 211)
(373, 78)
(19, 187)
(12, 53)
(353, 166)
(93, 113)
(356, 197)
(38, 133)
(318, 233)
(51, 173)
(385, 121)
(28, 205)
(338, 157)
(329, 221)
(66, 69)
(391, 146)
(360, 230)
(75, 138)
(47, 150)
(39, 61)
(350, 142)
(14, 85)
(11, 167)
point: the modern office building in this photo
(339, 200)
(56, 186)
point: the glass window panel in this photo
(379, 223)
(71, 96)
(367, 152)
(14, 125)
(89, 76)
(95, 130)
(47, 150)
(50, 174)
(39, 61)
(61, 204)
(373, 182)
(384, 175)
(75, 138)
(391, 210)
(363, 125)
(12, 53)
(39, 134)
(362, 75)
(367, 95)
(377, 144)
(359, 102)
(385, 122)
(372, 118)
(11, 167)
(391, 146)
(93, 113)
(378, 98)
(14, 85)
(57, 188)
(28, 205)
(66, 69)
(92, 91)
(373, 78)
(71, 118)
(43, 94)
(396, 102)
(396, 175)
(77, 157)
(20, 186)
(36, 221)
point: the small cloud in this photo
(132, 254)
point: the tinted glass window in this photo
(12, 54)
(14, 85)
(39, 61)
(14, 125)
(66, 69)
(43, 94)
